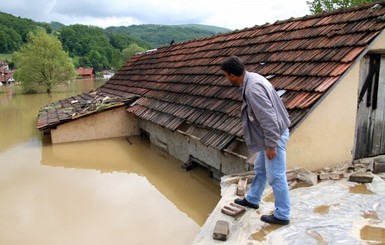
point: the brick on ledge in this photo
(221, 230)
(330, 176)
(361, 178)
(242, 187)
(233, 209)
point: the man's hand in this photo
(271, 152)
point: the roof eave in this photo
(354, 63)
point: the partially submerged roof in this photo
(183, 83)
(79, 106)
(81, 71)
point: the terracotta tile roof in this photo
(5, 78)
(4, 70)
(305, 56)
(81, 71)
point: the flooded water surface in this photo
(112, 191)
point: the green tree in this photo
(98, 61)
(10, 40)
(84, 61)
(318, 6)
(14, 31)
(90, 42)
(119, 40)
(153, 36)
(117, 60)
(131, 50)
(42, 63)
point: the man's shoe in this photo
(271, 219)
(244, 202)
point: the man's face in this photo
(231, 78)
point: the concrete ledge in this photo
(330, 207)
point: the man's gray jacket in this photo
(263, 115)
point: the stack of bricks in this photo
(222, 230)
(233, 209)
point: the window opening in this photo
(144, 135)
(194, 162)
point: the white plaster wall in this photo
(181, 147)
(107, 124)
(326, 137)
(380, 43)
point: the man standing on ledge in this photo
(265, 123)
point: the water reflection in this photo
(192, 192)
(18, 112)
(94, 192)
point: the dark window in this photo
(370, 86)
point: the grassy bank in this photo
(7, 57)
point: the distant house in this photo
(107, 74)
(329, 69)
(85, 72)
(4, 64)
(6, 76)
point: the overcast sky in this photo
(232, 14)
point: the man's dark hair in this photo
(233, 65)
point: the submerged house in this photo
(6, 75)
(87, 73)
(328, 68)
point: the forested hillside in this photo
(160, 35)
(91, 46)
(14, 31)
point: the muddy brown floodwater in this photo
(112, 191)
